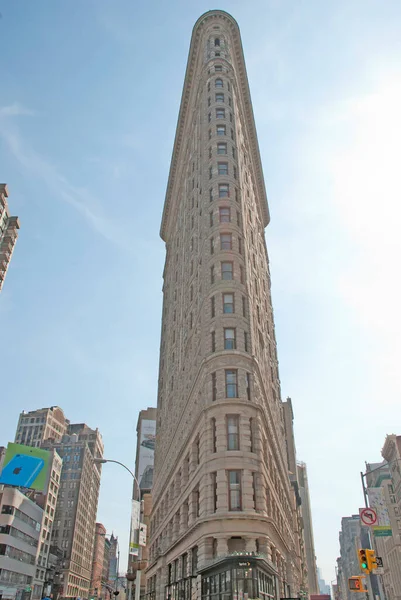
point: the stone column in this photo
(205, 551)
(245, 434)
(250, 545)
(222, 492)
(247, 490)
(184, 518)
(222, 546)
(221, 433)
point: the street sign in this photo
(368, 516)
(379, 561)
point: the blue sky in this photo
(89, 101)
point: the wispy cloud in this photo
(15, 110)
(32, 161)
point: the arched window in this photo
(218, 83)
(217, 41)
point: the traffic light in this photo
(355, 584)
(363, 560)
(372, 564)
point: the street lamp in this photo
(101, 461)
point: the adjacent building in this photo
(48, 502)
(20, 539)
(98, 560)
(222, 501)
(75, 517)
(9, 227)
(349, 543)
(70, 505)
(313, 584)
(144, 465)
(37, 426)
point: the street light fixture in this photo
(101, 461)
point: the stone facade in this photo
(221, 478)
(9, 227)
(390, 480)
(98, 560)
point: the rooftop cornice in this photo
(184, 116)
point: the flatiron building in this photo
(223, 519)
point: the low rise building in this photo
(20, 530)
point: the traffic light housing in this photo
(355, 584)
(363, 560)
(367, 560)
(371, 556)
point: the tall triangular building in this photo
(223, 521)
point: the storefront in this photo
(239, 577)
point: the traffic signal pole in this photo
(371, 575)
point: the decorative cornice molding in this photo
(185, 117)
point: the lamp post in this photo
(101, 461)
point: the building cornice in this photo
(185, 116)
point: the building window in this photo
(241, 274)
(218, 68)
(210, 152)
(211, 245)
(221, 148)
(210, 172)
(238, 219)
(213, 424)
(222, 168)
(229, 101)
(248, 386)
(213, 477)
(243, 306)
(224, 214)
(213, 336)
(228, 303)
(233, 151)
(212, 307)
(220, 129)
(214, 387)
(231, 384)
(252, 434)
(229, 338)
(227, 270)
(191, 293)
(220, 113)
(209, 101)
(217, 53)
(226, 241)
(209, 117)
(232, 432)
(234, 490)
(240, 245)
(217, 41)
(211, 218)
(254, 482)
(212, 274)
(208, 86)
(235, 177)
(211, 194)
(245, 341)
(224, 190)
(190, 321)
(219, 97)
(210, 134)
(218, 83)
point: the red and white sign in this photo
(368, 516)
